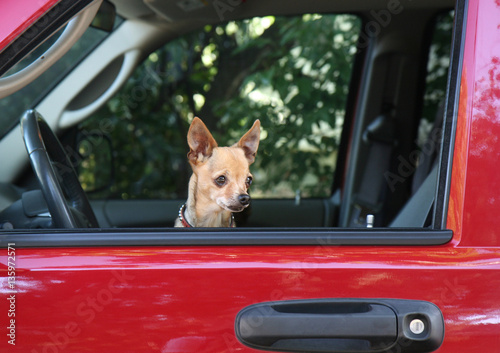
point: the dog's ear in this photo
(200, 141)
(250, 142)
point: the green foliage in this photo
(438, 64)
(298, 89)
(437, 74)
(291, 73)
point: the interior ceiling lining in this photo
(211, 11)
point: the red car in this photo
(373, 219)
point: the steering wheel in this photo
(67, 203)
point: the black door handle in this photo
(342, 325)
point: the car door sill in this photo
(227, 237)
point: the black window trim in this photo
(450, 116)
(227, 237)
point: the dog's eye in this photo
(249, 181)
(220, 180)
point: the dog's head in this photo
(223, 172)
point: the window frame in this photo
(442, 197)
(435, 235)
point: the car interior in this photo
(350, 95)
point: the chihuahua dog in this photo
(220, 180)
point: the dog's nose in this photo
(244, 199)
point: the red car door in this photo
(21, 16)
(315, 290)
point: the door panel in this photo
(181, 299)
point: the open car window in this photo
(295, 74)
(350, 136)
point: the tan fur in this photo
(208, 204)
